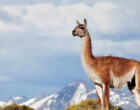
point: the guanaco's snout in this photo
(73, 33)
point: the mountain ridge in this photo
(73, 93)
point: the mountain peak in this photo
(78, 81)
(74, 85)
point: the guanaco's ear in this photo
(85, 22)
(77, 22)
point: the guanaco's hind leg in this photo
(134, 87)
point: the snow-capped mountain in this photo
(13, 100)
(33, 101)
(72, 93)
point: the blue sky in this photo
(38, 54)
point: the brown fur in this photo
(106, 97)
(138, 75)
(119, 66)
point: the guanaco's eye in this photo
(82, 28)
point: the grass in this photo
(16, 107)
(90, 104)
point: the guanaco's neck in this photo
(86, 50)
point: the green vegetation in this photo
(16, 107)
(90, 104)
(0, 108)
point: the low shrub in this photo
(90, 104)
(17, 107)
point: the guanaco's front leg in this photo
(99, 91)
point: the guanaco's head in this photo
(80, 29)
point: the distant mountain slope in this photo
(72, 93)
(13, 100)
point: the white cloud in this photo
(103, 17)
(14, 11)
(57, 23)
(9, 27)
(120, 48)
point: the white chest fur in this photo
(86, 52)
(90, 72)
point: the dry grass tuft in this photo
(90, 104)
(17, 107)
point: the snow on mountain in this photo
(73, 93)
(13, 100)
(29, 102)
(81, 89)
(32, 101)
(17, 98)
(2, 104)
(41, 102)
(125, 100)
